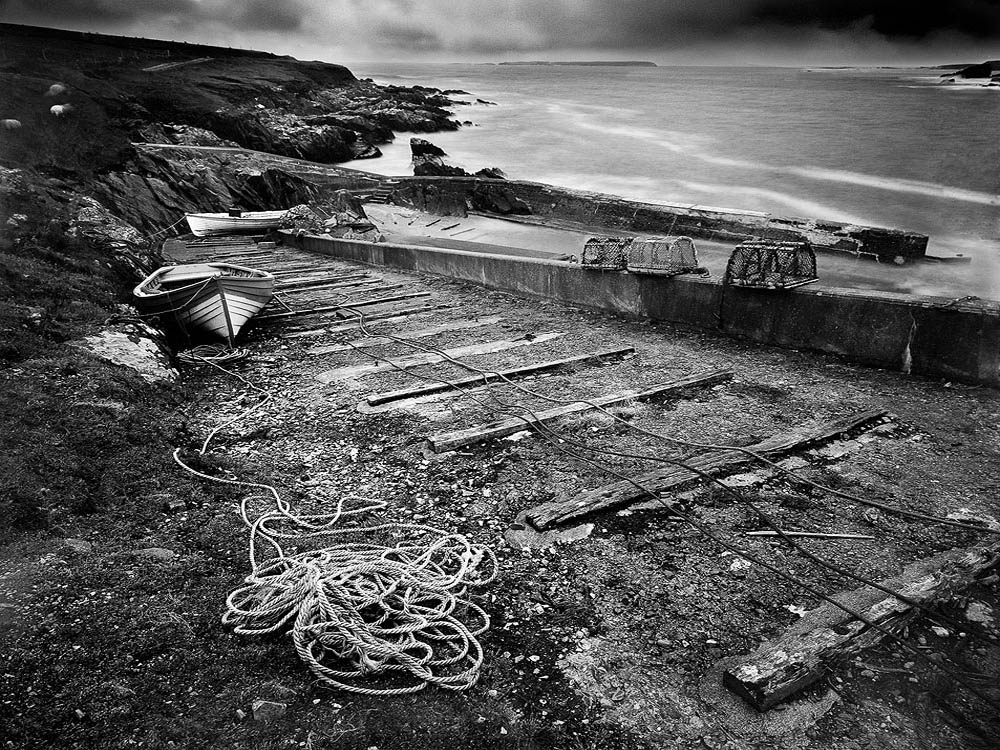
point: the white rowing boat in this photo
(218, 298)
(204, 225)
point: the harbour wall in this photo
(932, 336)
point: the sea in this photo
(899, 148)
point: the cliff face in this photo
(75, 104)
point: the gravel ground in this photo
(637, 616)
(616, 639)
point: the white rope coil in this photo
(383, 611)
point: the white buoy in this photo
(55, 90)
(60, 110)
(10, 124)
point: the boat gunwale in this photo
(143, 290)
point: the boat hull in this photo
(206, 225)
(216, 298)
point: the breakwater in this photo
(454, 195)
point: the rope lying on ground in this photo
(384, 605)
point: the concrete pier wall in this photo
(452, 196)
(933, 336)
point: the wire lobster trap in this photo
(771, 264)
(606, 253)
(663, 256)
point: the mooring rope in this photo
(382, 609)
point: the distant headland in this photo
(598, 63)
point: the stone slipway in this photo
(932, 336)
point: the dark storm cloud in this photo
(488, 28)
(890, 18)
(56, 12)
(240, 15)
(268, 14)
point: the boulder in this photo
(422, 147)
(428, 161)
(134, 345)
(491, 173)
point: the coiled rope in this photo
(381, 609)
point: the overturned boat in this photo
(218, 298)
(233, 222)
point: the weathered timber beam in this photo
(352, 279)
(385, 317)
(425, 390)
(418, 333)
(450, 441)
(364, 290)
(331, 308)
(802, 655)
(671, 476)
(430, 358)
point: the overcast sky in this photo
(796, 32)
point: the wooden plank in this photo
(418, 333)
(810, 534)
(430, 358)
(425, 390)
(335, 308)
(670, 477)
(827, 634)
(389, 315)
(359, 287)
(363, 290)
(304, 281)
(450, 441)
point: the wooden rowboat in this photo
(203, 225)
(218, 298)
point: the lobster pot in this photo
(665, 256)
(606, 253)
(769, 264)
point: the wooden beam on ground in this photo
(335, 308)
(430, 358)
(353, 285)
(418, 333)
(811, 534)
(449, 441)
(827, 634)
(297, 282)
(670, 477)
(376, 399)
(389, 315)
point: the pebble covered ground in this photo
(613, 637)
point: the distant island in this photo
(601, 63)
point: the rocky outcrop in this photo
(308, 110)
(154, 190)
(126, 247)
(428, 161)
(982, 70)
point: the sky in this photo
(694, 32)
